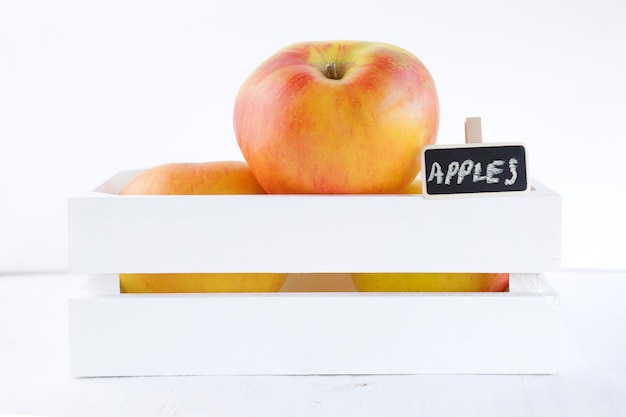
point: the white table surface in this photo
(34, 376)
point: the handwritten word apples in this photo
(219, 177)
(336, 117)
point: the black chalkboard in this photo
(469, 169)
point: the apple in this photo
(336, 117)
(217, 177)
(201, 282)
(431, 282)
(188, 178)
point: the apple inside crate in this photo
(318, 323)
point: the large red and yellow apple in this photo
(219, 177)
(336, 117)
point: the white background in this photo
(89, 88)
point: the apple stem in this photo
(331, 71)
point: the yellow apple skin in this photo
(201, 282)
(431, 282)
(336, 117)
(199, 178)
(195, 178)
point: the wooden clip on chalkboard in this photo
(474, 168)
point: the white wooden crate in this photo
(305, 329)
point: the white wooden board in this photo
(109, 233)
(301, 333)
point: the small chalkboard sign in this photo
(473, 169)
